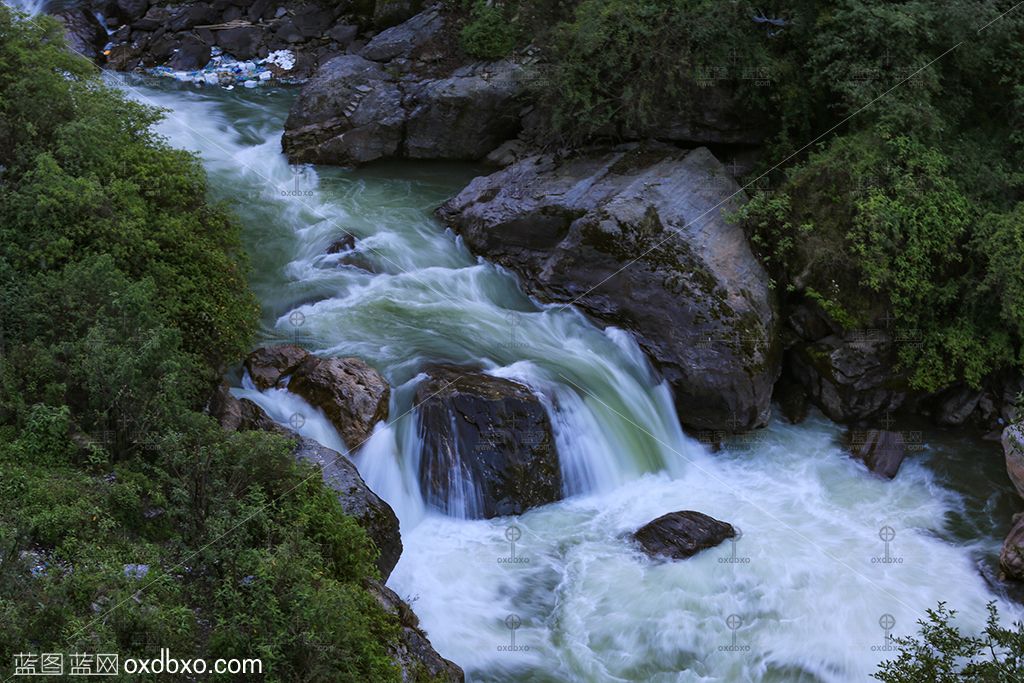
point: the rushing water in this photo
(558, 593)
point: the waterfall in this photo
(560, 593)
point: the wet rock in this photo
(1013, 449)
(792, 398)
(1011, 557)
(850, 377)
(402, 40)
(679, 535)
(882, 451)
(267, 366)
(353, 395)
(85, 34)
(415, 656)
(357, 500)
(242, 415)
(488, 449)
(344, 243)
(637, 237)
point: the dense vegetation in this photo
(123, 296)
(892, 185)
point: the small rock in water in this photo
(881, 450)
(679, 535)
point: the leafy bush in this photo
(124, 295)
(490, 33)
(943, 654)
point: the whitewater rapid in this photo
(559, 593)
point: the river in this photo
(559, 594)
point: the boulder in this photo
(242, 42)
(353, 395)
(850, 377)
(192, 53)
(357, 500)
(1011, 557)
(415, 656)
(390, 12)
(241, 415)
(488, 449)
(350, 112)
(882, 451)
(955, 405)
(354, 110)
(1013, 449)
(464, 116)
(402, 40)
(129, 10)
(679, 535)
(85, 34)
(637, 237)
(268, 366)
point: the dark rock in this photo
(343, 34)
(288, 31)
(390, 12)
(349, 112)
(129, 10)
(848, 377)
(85, 34)
(344, 243)
(679, 535)
(156, 18)
(267, 366)
(415, 656)
(487, 445)
(1013, 451)
(357, 500)
(313, 21)
(792, 399)
(1011, 557)
(192, 54)
(637, 237)
(882, 451)
(242, 42)
(402, 40)
(241, 415)
(354, 110)
(353, 396)
(464, 116)
(954, 406)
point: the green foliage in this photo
(123, 296)
(943, 654)
(490, 32)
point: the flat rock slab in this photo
(679, 535)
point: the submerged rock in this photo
(353, 395)
(488, 449)
(882, 451)
(1013, 450)
(637, 237)
(357, 500)
(679, 535)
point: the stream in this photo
(831, 559)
